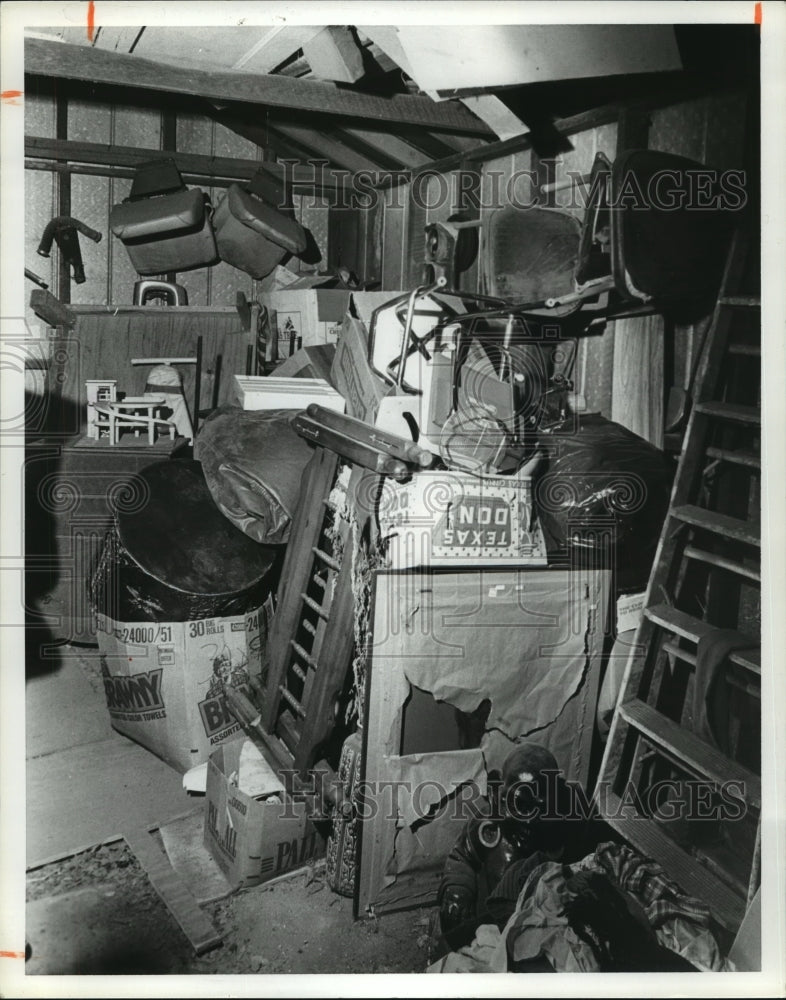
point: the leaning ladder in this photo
(311, 641)
(706, 570)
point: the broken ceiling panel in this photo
(252, 49)
(333, 54)
(442, 58)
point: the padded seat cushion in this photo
(168, 233)
(252, 235)
(266, 220)
(167, 215)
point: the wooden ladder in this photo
(312, 637)
(704, 578)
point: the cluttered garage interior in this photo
(392, 491)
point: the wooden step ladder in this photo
(312, 637)
(704, 577)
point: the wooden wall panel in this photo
(372, 258)
(90, 204)
(40, 205)
(638, 386)
(595, 359)
(89, 121)
(417, 214)
(39, 114)
(394, 237)
(106, 341)
(137, 127)
(40, 195)
(312, 214)
(724, 143)
(122, 274)
(229, 143)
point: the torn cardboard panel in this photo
(419, 800)
(529, 643)
(518, 639)
(427, 794)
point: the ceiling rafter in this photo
(76, 62)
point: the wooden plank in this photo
(745, 350)
(334, 55)
(187, 163)
(737, 456)
(721, 562)
(184, 843)
(254, 48)
(637, 386)
(498, 116)
(76, 62)
(691, 751)
(353, 139)
(328, 146)
(51, 310)
(192, 920)
(394, 147)
(726, 906)
(721, 524)
(730, 411)
(741, 301)
(749, 659)
(275, 47)
(678, 622)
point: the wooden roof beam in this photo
(77, 62)
(187, 163)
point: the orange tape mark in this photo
(91, 20)
(12, 954)
(757, 14)
(10, 96)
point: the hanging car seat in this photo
(163, 225)
(252, 234)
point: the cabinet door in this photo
(517, 655)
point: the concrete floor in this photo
(91, 909)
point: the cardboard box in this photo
(351, 372)
(448, 518)
(305, 317)
(309, 362)
(163, 680)
(253, 841)
(630, 608)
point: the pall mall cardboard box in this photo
(254, 841)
